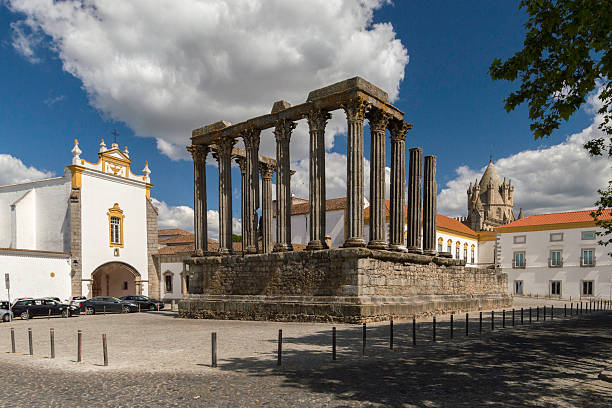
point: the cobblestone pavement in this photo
(157, 359)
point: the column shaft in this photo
(429, 206)
(398, 131)
(199, 153)
(251, 143)
(241, 161)
(225, 194)
(316, 122)
(266, 206)
(282, 133)
(378, 125)
(355, 111)
(415, 202)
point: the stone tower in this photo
(490, 202)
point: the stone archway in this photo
(115, 279)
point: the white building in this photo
(555, 255)
(91, 232)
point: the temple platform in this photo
(350, 285)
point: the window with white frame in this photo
(457, 252)
(519, 239)
(587, 288)
(556, 236)
(555, 288)
(440, 245)
(168, 282)
(518, 287)
(556, 260)
(115, 226)
(465, 254)
(588, 257)
(519, 260)
(473, 254)
(449, 246)
(588, 235)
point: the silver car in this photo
(5, 314)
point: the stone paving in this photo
(158, 359)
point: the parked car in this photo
(107, 304)
(145, 302)
(5, 313)
(76, 300)
(29, 308)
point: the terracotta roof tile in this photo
(172, 231)
(556, 218)
(303, 206)
(181, 239)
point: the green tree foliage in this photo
(566, 55)
(236, 238)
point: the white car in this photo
(5, 314)
(75, 300)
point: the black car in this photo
(29, 308)
(145, 302)
(107, 304)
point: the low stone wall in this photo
(347, 284)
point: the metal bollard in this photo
(521, 316)
(572, 309)
(512, 317)
(480, 324)
(544, 312)
(467, 325)
(414, 331)
(104, 350)
(538, 314)
(30, 341)
(12, 340)
(363, 346)
(391, 334)
(79, 346)
(504, 318)
(580, 308)
(529, 315)
(213, 343)
(451, 327)
(52, 341)
(565, 310)
(334, 343)
(552, 312)
(434, 329)
(280, 347)
(49, 314)
(104, 309)
(492, 320)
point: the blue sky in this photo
(52, 94)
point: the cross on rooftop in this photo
(115, 134)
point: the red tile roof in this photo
(172, 231)
(557, 218)
(303, 207)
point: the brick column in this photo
(415, 178)
(316, 122)
(429, 206)
(251, 143)
(200, 224)
(398, 130)
(224, 154)
(355, 111)
(241, 161)
(378, 124)
(282, 133)
(267, 170)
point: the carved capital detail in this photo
(225, 146)
(378, 119)
(318, 119)
(267, 170)
(241, 162)
(251, 138)
(398, 129)
(355, 110)
(198, 152)
(283, 129)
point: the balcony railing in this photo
(555, 263)
(519, 265)
(588, 262)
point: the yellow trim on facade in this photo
(149, 190)
(115, 212)
(487, 236)
(547, 227)
(455, 233)
(76, 175)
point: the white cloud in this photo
(182, 217)
(13, 171)
(166, 67)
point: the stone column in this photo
(224, 153)
(200, 225)
(267, 170)
(378, 125)
(316, 122)
(429, 206)
(415, 178)
(282, 133)
(398, 130)
(355, 111)
(241, 161)
(251, 143)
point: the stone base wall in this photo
(347, 284)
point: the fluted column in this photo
(398, 130)
(415, 180)
(200, 225)
(282, 133)
(429, 206)
(267, 170)
(378, 124)
(224, 152)
(241, 161)
(316, 123)
(355, 111)
(251, 144)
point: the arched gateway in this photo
(115, 279)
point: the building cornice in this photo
(547, 227)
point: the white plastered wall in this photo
(173, 269)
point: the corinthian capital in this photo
(355, 109)
(398, 129)
(283, 129)
(198, 152)
(225, 146)
(378, 119)
(251, 138)
(267, 170)
(318, 119)
(241, 162)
